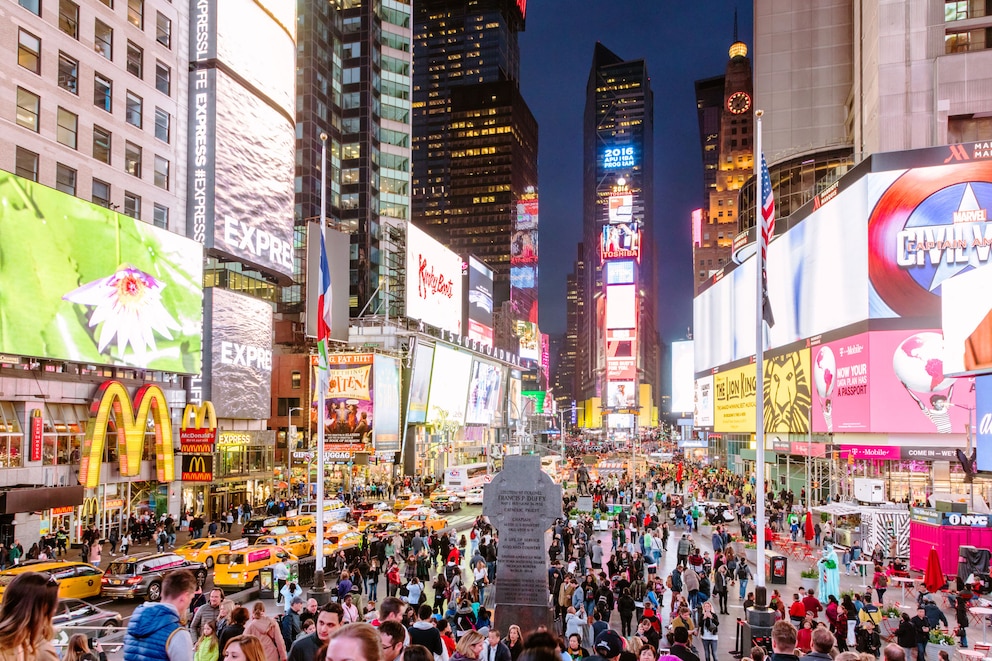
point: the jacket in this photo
(268, 633)
(500, 653)
(426, 634)
(153, 630)
(291, 628)
(305, 649)
(205, 613)
(906, 635)
(44, 652)
(207, 651)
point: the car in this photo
(92, 620)
(474, 496)
(375, 516)
(296, 543)
(426, 519)
(133, 576)
(204, 549)
(407, 512)
(384, 530)
(258, 526)
(75, 579)
(239, 569)
(446, 503)
(406, 499)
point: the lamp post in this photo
(290, 432)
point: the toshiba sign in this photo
(434, 282)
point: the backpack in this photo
(743, 571)
(883, 581)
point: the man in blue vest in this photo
(155, 631)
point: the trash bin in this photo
(266, 587)
(778, 569)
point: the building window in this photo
(135, 60)
(161, 173)
(33, 6)
(103, 39)
(284, 404)
(132, 205)
(160, 216)
(163, 30)
(68, 73)
(163, 78)
(109, 3)
(297, 380)
(28, 108)
(103, 92)
(65, 179)
(68, 126)
(101, 193)
(136, 13)
(132, 113)
(69, 18)
(101, 145)
(132, 159)
(29, 51)
(162, 125)
(26, 164)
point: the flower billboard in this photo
(90, 285)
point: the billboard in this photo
(197, 468)
(348, 403)
(434, 282)
(480, 302)
(485, 389)
(523, 259)
(514, 397)
(621, 208)
(94, 286)
(621, 355)
(682, 377)
(237, 371)
(338, 247)
(523, 245)
(983, 420)
(840, 383)
(530, 340)
(786, 392)
(613, 158)
(420, 382)
(620, 395)
(386, 430)
(620, 241)
(702, 411)
(619, 272)
(621, 306)
(449, 385)
(734, 400)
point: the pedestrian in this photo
(280, 573)
(267, 631)
(743, 576)
(357, 642)
(207, 648)
(78, 649)
(708, 626)
(245, 648)
(922, 627)
(114, 539)
(154, 631)
(235, 627)
(880, 582)
(26, 612)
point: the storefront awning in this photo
(33, 499)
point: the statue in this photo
(829, 568)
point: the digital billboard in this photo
(514, 397)
(618, 157)
(619, 272)
(840, 385)
(620, 241)
(702, 410)
(420, 382)
(95, 286)
(621, 306)
(434, 282)
(449, 385)
(485, 389)
(530, 340)
(682, 377)
(786, 392)
(734, 400)
(386, 430)
(621, 208)
(237, 371)
(983, 420)
(621, 355)
(621, 395)
(348, 403)
(523, 245)
(480, 302)
(523, 258)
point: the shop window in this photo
(62, 440)
(10, 437)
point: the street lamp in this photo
(290, 433)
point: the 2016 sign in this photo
(618, 157)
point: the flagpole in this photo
(759, 360)
(318, 575)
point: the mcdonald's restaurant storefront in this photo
(239, 470)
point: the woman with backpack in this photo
(880, 582)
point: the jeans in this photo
(723, 601)
(921, 652)
(709, 647)
(743, 591)
(881, 595)
(372, 587)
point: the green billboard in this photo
(82, 283)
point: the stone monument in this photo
(522, 502)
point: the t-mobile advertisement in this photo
(840, 386)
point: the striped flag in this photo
(323, 316)
(765, 235)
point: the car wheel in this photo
(256, 583)
(154, 591)
(106, 625)
(210, 563)
(201, 577)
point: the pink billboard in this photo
(840, 380)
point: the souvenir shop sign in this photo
(959, 519)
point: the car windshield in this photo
(196, 546)
(121, 568)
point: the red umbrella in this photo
(933, 578)
(809, 534)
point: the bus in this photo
(459, 479)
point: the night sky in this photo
(681, 42)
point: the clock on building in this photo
(739, 102)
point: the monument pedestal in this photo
(525, 616)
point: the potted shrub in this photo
(890, 620)
(809, 578)
(940, 640)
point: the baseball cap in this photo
(609, 644)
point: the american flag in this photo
(767, 231)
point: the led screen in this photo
(619, 272)
(618, 157)
(449, 385)
(621, 395)
(484, 393)
(95, 286)
(840, 385)
(523, 277)
(983, 418)
(434, 282)
(480, 301)
(530, 340)
(237, 374)
(620, 241)
(348, 403)
(621, 306)
(386, 431)
(420, 382)
(621, 355)
(682, 377)
(514, 397)
(702, 410)
(621, 208)
(786, 392)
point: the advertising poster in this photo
(420, 382)
(348, 403)
(485, 390)
(386, 432)
(734, 400)
(514, 398)
(841, 385)
(620, 395)
(434, 282)
(237, 373)
(620, 241)
(682, 377)
(530, 340)
(702, 412)
(449, 385)
(619, 272)
(480, 302)
(621, 306)
(786, 386)
(95, 286)
(523, 258)
(909, 390)
(621, 209)
(621, 358)
(966, 317)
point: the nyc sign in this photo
(131, 423)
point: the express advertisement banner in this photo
(386, 431)
(841, 388)
(348, 404)
(702, 413)
(95, 286)
(734, 400)
(786, 396)
(420, 383)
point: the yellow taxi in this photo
(76, 579)
(426, 519)
(300, 523)
(205, 550)
(349, 542)
(237, 570)
(407, 499)
(296, 543)
(375, 516)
